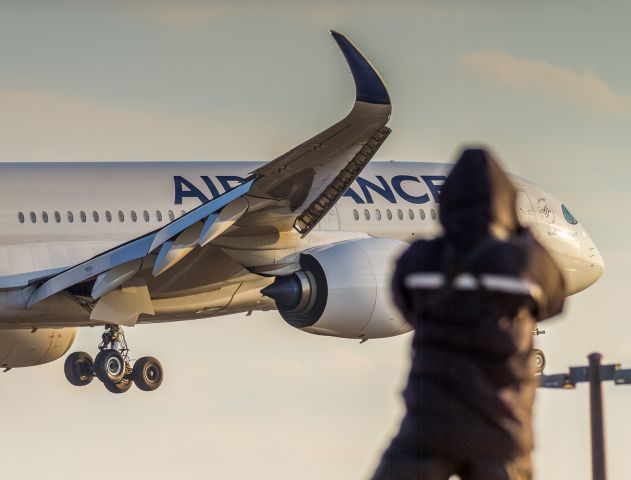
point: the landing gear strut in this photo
(112, 365)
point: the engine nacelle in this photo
(342, 290)
(26, 348)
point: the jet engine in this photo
(26, 347)
(342, 290)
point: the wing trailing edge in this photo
(135, 249)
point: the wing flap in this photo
(224, 220)
(172, 251)
(136, 249)
(115, 277)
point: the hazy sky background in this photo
(546, 84)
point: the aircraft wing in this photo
(310, 178)
(293, 191)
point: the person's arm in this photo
(411, 261)
(542, 270)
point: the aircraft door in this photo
(526, 211)
(331, 220)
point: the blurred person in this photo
(474, 296)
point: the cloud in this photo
(583, 89)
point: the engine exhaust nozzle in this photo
(291, 292)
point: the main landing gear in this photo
(112, 366)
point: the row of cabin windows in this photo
(70, 217)
(400, 215)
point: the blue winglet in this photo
(368, 84)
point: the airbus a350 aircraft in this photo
(312, 234)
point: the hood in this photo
(477, 199)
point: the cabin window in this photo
(378, 214)
(33, 217)
(366, 214)
(158, 215)
(20, 217)
(145, 215)
(57, 217)
(389, 214)
(134, 217)
(355, 215)
(121, 216)
(82, 216)
(182, 212)
(400, 214)
(70, 216)
(95, 216)
(171, 215)
(411, 214)
(421, 214)
(108, 216)
(433, 214)
(45, 217)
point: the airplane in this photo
(311, 234)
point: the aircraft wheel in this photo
(120, 387)
(540, 360)
(109, 366)
(147, 373)
(79, 368)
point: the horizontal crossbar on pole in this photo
(611, 372)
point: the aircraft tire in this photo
(147, 373)
(120, 387)
(109, 366)
(79, 368)
(540, 360)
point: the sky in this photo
(546, 85)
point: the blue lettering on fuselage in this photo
(397, 184)
(401, 185)
(186, 189)
(383, 190)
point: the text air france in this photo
(409, 188)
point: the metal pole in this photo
(597, 423)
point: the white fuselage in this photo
(55, 215)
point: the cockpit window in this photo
(568, 216)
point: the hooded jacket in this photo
(473, 296)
